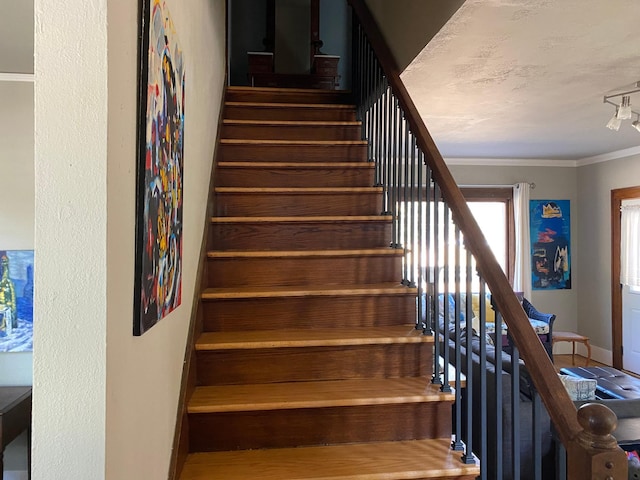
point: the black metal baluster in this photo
(389, 149)
(468, 456)
(425, 279)
(367, 107)
(361, 63)
(404, 228)
(499, 441)
(371, 105)
(420, 264)
(457, 441)
(483, 381)
(379, 164)
(445, 294)
(415, 260)
(536, 414)
(515, 410)
(435, 303)
(394, 179)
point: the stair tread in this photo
(314, 106)
(313, 337)
(386, 251)
(308, 290)
(242, 88)
(414, 459)
(330, 393)
(296, 165)
(314, 219)
(295, 123)
(298, 190)
(326, 143)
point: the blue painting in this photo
(16, 300)
(550, 244)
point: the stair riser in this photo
(292, 153)
(288, 177)
(308, 312)
(290, 205)
(298, 236)
(273, 365)
(252, 272)
(249, 112)
(305, 427)
(292, 132)
(283, 96)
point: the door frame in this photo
(617, 196)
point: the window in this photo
(493, 210)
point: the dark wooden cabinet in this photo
(323, 69)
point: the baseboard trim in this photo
(598, 354)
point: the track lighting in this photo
(623, 109)
(615, 122)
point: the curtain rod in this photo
(531, 184)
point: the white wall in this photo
(551, 183)
(69, 362)
(595, 183)
(104, 401)
(144, 373)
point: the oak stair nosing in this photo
(299, 190)
(308, 291)
(369, 252)
(284, 90)
(324, 394)
(313, 219)
(311, 106)
(284, 142)
(296, 165)
(293, 123)
(403, 460)
(313, 337)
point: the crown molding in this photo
(510, 162)
(17, 77)
(606, 157)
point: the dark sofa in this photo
(504, 416)
(502, 398)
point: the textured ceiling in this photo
(526, 78)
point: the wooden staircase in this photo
(308, 365)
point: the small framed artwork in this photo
(16, 300)
(159, 182)
(550, 244)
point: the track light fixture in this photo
(623, 108)
(615, 122)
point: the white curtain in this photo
(522, 271)
(630, 243)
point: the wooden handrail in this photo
(561, 409)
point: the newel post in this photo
(594, 453)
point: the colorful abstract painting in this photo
(16, 300)
(550, 244)
(158, 282)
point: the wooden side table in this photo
(573, 338)
(15, 418)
